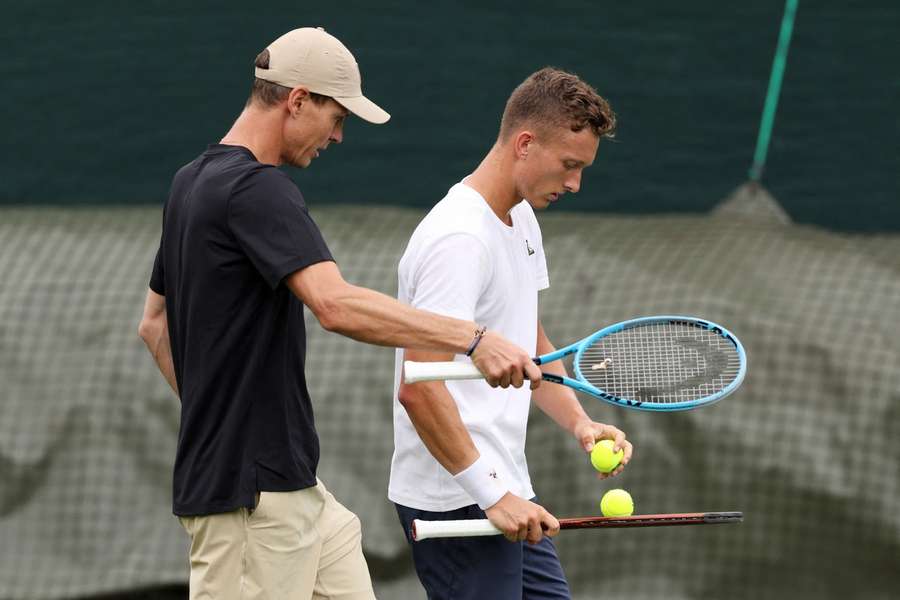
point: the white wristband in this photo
(481, 482)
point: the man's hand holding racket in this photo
(503, 363)
(521, 520)
(659, 363)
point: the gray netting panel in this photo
(807, 448)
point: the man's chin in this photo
(300, 163)
(539, 204)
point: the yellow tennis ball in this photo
(616, 503)
(603, 458)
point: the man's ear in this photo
(522, 142)
(297, 98)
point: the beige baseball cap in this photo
(308, 56)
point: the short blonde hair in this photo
(556, 98)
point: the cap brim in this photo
(365, 109)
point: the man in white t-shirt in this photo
(459, 446)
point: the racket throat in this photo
(552, 378)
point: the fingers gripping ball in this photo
(603, 458)
(616, 503)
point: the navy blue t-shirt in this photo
(233, 228)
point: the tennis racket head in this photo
(661, 363)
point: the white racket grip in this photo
(423, 530)
(439, 371)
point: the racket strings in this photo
(664, 362)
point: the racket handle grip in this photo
(423, 530)
(439, 371)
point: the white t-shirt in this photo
(463, 261)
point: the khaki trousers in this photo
(299, 545)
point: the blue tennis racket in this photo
(661, 363)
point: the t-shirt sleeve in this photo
(270, 220)
(450, 276)
(157, 276)
(541, 273)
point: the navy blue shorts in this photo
(483, 567)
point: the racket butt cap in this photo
(724, 517)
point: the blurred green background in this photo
(105, 100)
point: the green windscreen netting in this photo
(808, 447)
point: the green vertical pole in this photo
(778, 66)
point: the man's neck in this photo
(493, 180)
(259, 131)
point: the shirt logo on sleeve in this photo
(529, 248)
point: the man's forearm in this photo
(369, 316)
(559, 402)
(435, 416)
(161, 351)
(373, 317)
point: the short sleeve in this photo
(542, 273)
(157, 277)
(450, 276)
(267, 215)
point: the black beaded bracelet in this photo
(478, 335)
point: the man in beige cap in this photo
(239, 256)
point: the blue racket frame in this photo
(581, 385)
